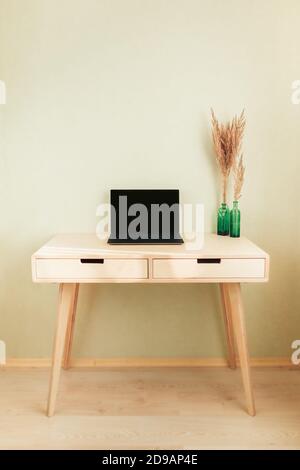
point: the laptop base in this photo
(115, 241)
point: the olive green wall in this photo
(108, 93)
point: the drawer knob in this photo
(209, 260)
(92, 260)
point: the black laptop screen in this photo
(141, 214)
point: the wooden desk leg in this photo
(70, 327)
(228, 326)
(66, 294)
(239, 327)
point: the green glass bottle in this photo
(223, 219)
(235, 220)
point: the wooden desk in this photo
(70, 260)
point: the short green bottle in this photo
(235, 220)
(223, 219)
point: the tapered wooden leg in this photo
(228, 325)
(239, 328)
(66, 293)
(70, 328)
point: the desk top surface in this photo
(89, 245)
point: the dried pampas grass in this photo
(239, 173)
(227, 139)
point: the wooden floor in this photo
(150, 409)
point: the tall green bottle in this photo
(223, 219)
(235, 220)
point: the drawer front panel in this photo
(222, 269)
(87, 269)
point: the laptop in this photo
(144, 216)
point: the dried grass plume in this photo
(227, 139)
(239, 173)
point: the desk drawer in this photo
(208, 268)
(64, 269)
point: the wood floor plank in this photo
(150, 409)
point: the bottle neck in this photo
(235, 204)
